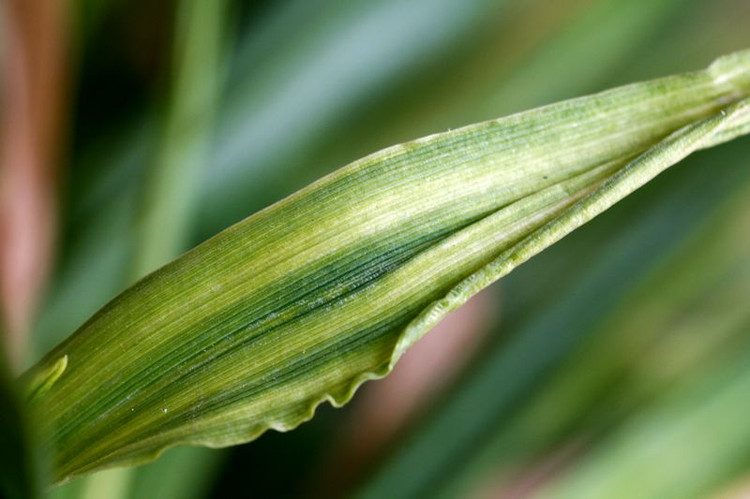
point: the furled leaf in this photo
(305, 300)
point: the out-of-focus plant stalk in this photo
(172, 182)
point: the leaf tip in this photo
(733, 68)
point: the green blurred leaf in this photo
(595, 41)
(184, 472)
(686, 445)
(307, 299)
(18, 474)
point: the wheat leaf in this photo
(303, 301)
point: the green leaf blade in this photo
(307, 299)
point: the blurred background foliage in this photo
(616, 364)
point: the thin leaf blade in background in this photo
(673, 431)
